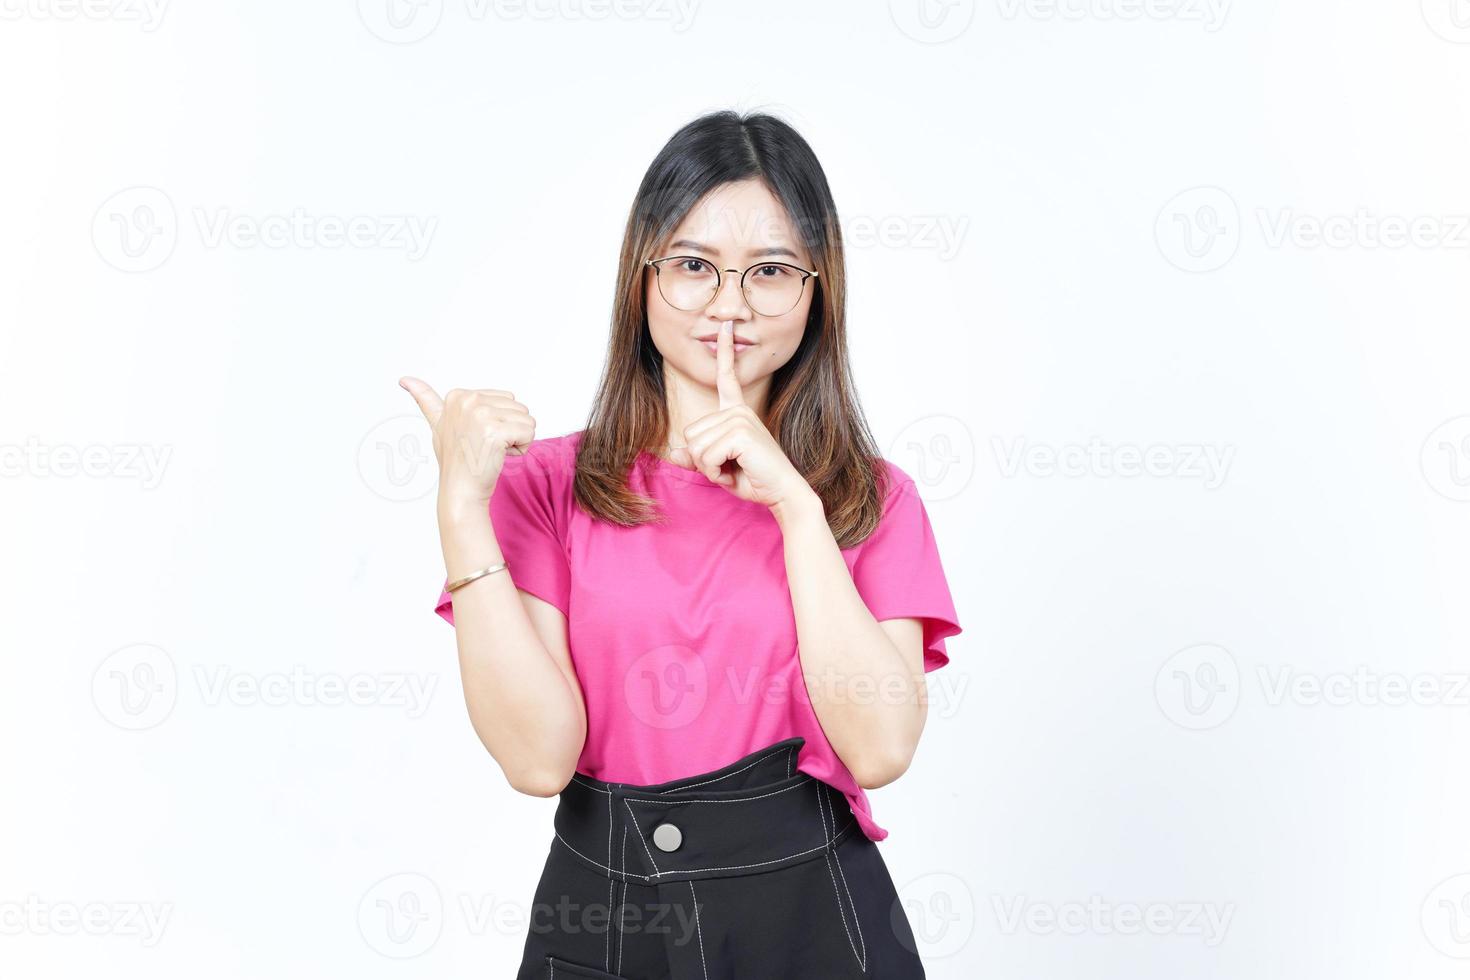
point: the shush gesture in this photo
(474, 430)
(732, 447)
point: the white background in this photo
(1075, 232)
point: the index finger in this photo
(726, 383)
(428, 399)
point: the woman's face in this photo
(736, 226)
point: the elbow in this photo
(881, 768)
(538, 782)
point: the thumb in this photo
(428, 400)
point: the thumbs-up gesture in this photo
(474, 430)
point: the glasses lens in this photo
(773, 289)
(686, 282)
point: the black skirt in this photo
(753, 870)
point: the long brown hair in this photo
(812, 408)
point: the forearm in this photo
(520, 702)
(871, 706)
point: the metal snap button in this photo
(667, 837)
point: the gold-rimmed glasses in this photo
(688, 282)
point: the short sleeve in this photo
(898, 573)
(528, 509)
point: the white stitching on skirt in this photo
(588, 785)
(622, 861)
(699, 931)
(790, 748)
(837, 857)
(681, 871)
(743, 799)
(633, 817)
(607, 937)
(822, 811)
(678, 789)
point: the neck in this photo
(689, 401)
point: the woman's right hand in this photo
(474, 430)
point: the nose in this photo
(729, 302)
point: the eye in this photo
(772, 272)
(692, 266)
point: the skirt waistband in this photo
(757, 814)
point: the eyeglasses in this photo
(687, 282)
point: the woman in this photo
(720, 599)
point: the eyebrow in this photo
(760, 252)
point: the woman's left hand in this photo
(732, 447)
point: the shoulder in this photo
(896, 484)
(552, 459)
(554, 447)
(897, 475)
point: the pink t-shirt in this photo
(682, 634)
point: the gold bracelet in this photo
(461, 583)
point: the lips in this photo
(714, 347)
(711, 341)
